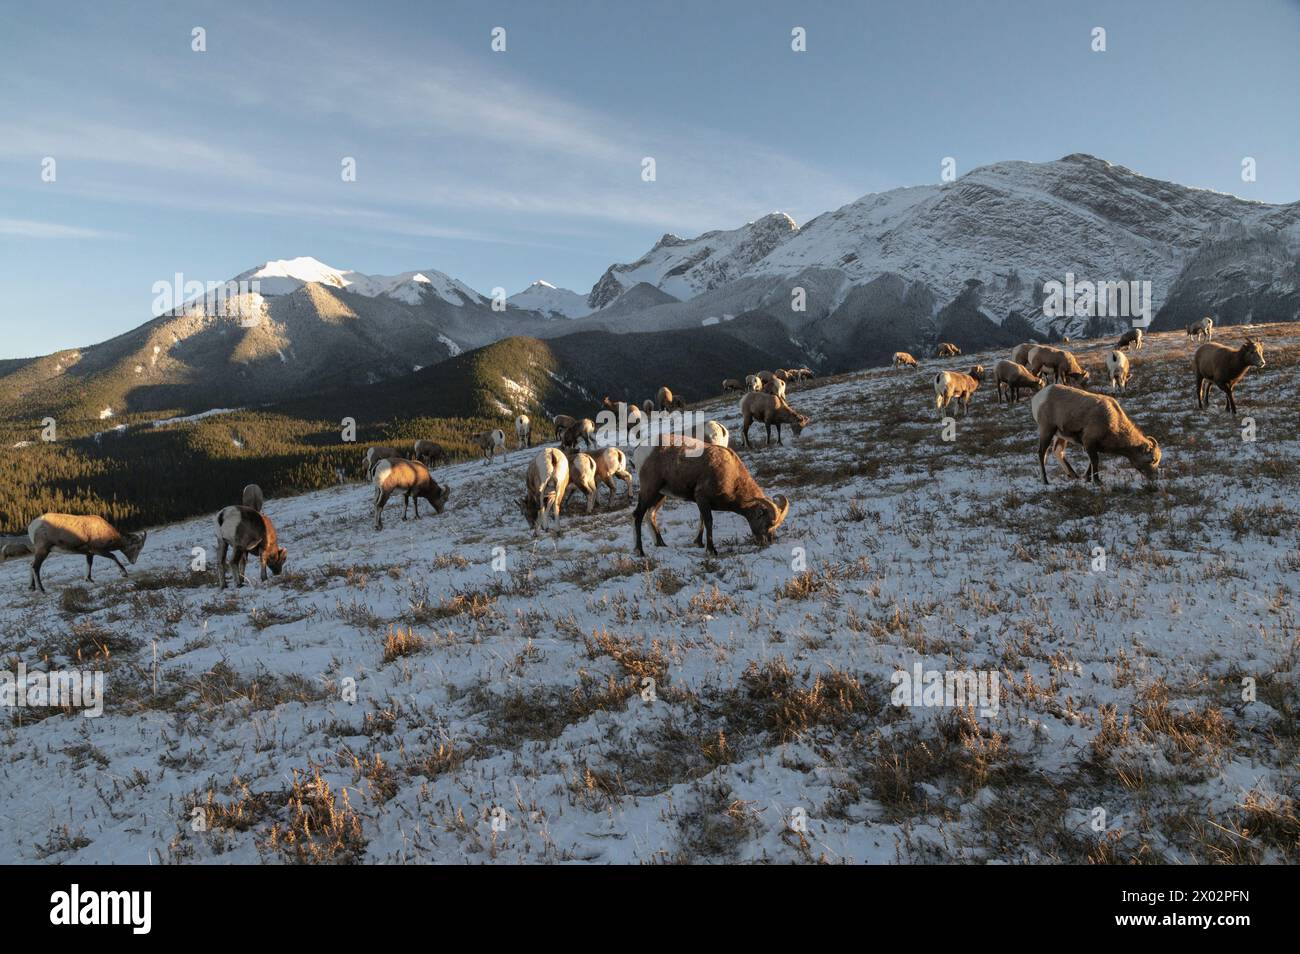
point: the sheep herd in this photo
(679, 455)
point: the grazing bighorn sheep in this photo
(489, 442)
(1117, 369)
(1020, 354)
(775, 386)
(428, 453)
(1097, 423)
(582, 476)
(562, 423)
(952, 386)
(947, 349)
(716, 479)
(732, 384)
(770, 411)
(546, 482)
(804, 373)
(753, 382)
(247, 531)
(904, 360)
(1065, 367)
(1224, 366)
(582, 430)
(611, 463)
(524, 431)
(413, 480)
(1203, 328)
(11, 547)
(1131, 337)
(1014, 377)
(711, 432)
(91, 536)
(377, 453)
(252, 497)
(664, 399)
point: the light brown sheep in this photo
(952, 386)
(252, 497)
(611, 463)
(664, 399)
(582, 476)
(428, 453)
(904, 360)
(947, 349)
(770, 411)
(247, 531)
(1020, 354)
(524, 431)
(1133, 337)
(70, 533)
(490, 443)
(1097, 423)
(1065, 367)
(1224, 367)
(716, 479)
(1202, 328)
(583, 430)
(1014, 377)
(413, 480)
(1117, 369)
(546, 483)
(775, 386)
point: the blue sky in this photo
(499, 168)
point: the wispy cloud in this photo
(26, 228)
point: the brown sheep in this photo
(582, 430)
(904, 360)
(770, 411)
(546, 483)
(664, 399)
(490, 442)
(91, 536)
(1131, 337)
(716, 479)
(1224, 367)
(562, 423)
(1097, 423)
(377, 453)
(1014, 377)
(247, 531)
(1065, 367)
(1020, 354)
(413, 480)
(953, 385)
(252, 497)
(947, 349)
(732, 384)
(428, 453)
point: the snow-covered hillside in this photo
(553, 302)
(451, 689)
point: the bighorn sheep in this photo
(1065, 367)
(1117, 369)
(612, 463)
(11, 547)
(91, 536)
(582, 476)
(582, 430)
(770, 411)
(1204, 328)
(947, 349)
(252, 497)
(489, 442)
(1131, 337)
(562, 423)
(732, 384)
(716, 479)
(428, 453)
(377, 453)
(1097, 423)
(547, 481)
(524, 431)
(952, 386)
(1224, 367)
(804, 373)
(413, 480)
(248, 531)
(775, 386)
(664, 399)
(711, 432)
(904, 360)
(648, 406)
(1014, 377)
(753, 382)
(1020, 354)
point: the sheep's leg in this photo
(406, 503)
(90, 562)
(263, 562)
(37, 559)
(778, 434)
(1061, 445)
(381, 498)
(745, 430)
(1044, 445)
(240, 561)
(1094, 465)
(1232, 401)
(654, 520)
(222, 549)
(706, 527)
(591, 490)
(111, 557)
(643, 505)
(416, 500)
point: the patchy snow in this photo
(162, 422)
(522, 695)
(453, 349)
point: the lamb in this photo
(904, 360)
(547, 481)
(732, 384)
(562, 423)
(1096, 422)
(524, 430)
(377, 453)
(770, 410)
(579, 431)
(252, 497)
(611, 463)
(91, 536)
(428, 453)
(947, 349)
(1015, 377)
(413, 480)
(248, 531)
(1131, 337)
(953, 385)
(1117, 369)
(716, 479)
(489, 442)
(1224, 366)
(1202, 329)
(775, 386)
(1065, 367)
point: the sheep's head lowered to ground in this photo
(765, 516)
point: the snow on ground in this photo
(451, 689)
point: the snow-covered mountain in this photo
(284, 276)
(548, 300)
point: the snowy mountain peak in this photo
(548, 300)
(284, 276)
